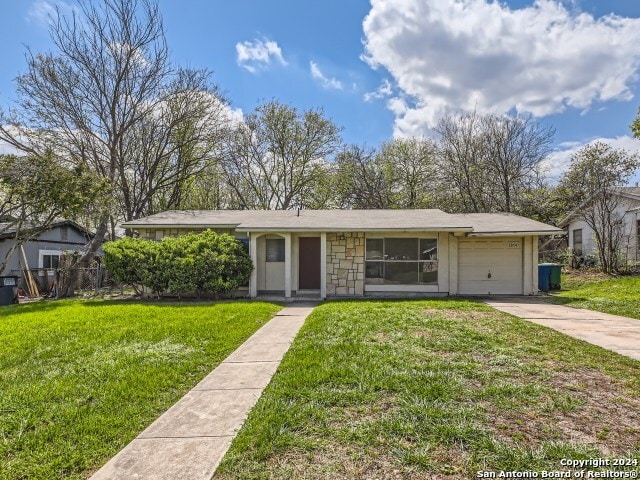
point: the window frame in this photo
(382, 261)
(280, 255)
(43, 253)
(578, 251)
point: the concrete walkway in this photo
(620, 334)
(189, 440)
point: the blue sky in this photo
(391, 68)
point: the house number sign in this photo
(513, 244)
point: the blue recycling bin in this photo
(544, 276)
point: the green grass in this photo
(434, 389)
(615, 295)
(79, 380)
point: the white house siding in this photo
(629, 244)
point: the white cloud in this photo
(448, 55)
(43, 11)
(383, 91)
(558, 162)
(326, 82)
(258, 54)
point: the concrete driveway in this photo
(620, 334)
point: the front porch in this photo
(289, 266)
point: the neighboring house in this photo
(581, 237)
(44, 250)
(327, 253)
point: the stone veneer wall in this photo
(345, 263)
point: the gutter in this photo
(177, 225)
(516, 233)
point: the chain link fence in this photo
(94, 279)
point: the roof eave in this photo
(517, 232)
(177, 225)
(342, 229)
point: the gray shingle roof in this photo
(343, 220)
(504, 223)
(8, 230)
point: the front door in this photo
(309, 263)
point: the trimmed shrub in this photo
(194, 263)
(127, 259)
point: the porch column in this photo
(323, 265)
(287, 264)
(527, 274)
(253, 253)
(453, 264)
(534, 246)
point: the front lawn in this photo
(616, 295)
(434, 389)
(79, 380)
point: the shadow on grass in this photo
(454, 300)
(565, 300)
(49, 305)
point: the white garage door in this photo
(490, 266)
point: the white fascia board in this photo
(517, 233)
(332, 230)
(177, 225)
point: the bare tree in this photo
(462, 163)
(278, 157)
(514, 149)
(490, 162)
(93, 98)
(413, 163)
(593, 179)
(168, 148)
(362, 180)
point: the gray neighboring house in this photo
(43, 252)
(581, 237)
(354, 253)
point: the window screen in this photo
(577, 241)
(401, 261)
(275, 249)
(50, 261)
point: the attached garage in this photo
(488, 266)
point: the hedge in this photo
(193, 263)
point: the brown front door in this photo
(309, 263)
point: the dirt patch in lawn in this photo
(459, 313)
(338, 461)
(583, 407)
